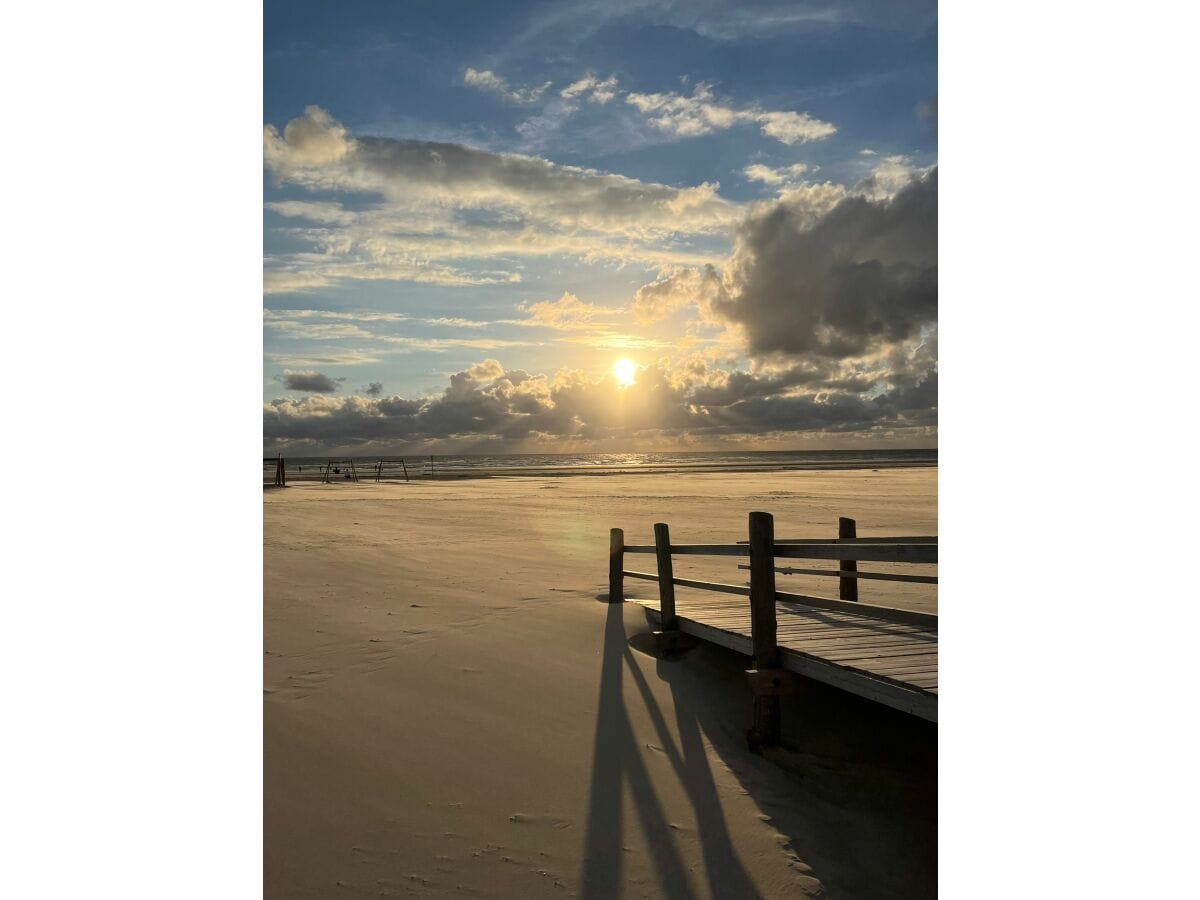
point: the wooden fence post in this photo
(763, 626)
(616, 565)
(847, 585)
(666, 575)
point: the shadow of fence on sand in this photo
(854, 794)
(618, 762)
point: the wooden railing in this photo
(763, 549)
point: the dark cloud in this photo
(310, 381)
(487, 404)
(374, 389)
(862, 277)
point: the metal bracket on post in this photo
(773, 682)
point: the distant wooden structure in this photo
(351, 475)
(881, 653)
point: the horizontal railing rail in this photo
(867, 576)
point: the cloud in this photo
(436, 213)
(592, 88)
(489, 405)
(863, 276)
(767, 175)
(567, 313)
(890, 175)
(674, 290)
(490, 81)
(311, 141)
(310, 381)
(375, 328)
(374, 389)
(823, 271)
(701, 113)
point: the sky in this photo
(599, 226)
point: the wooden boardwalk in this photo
(893, 663)
(880, 653)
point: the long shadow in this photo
(618, 763)
(853, 789)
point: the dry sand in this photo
(449, 710)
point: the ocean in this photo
(450, 466)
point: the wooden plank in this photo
(873, 660)
(920, 539)
(643, 575)
(846, 637)
(873, 626)
(835, 641)
(861, 576)
(709, 550)
(868, 610)
(714, 586)
(885, 665)
(902, 553)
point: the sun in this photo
(625, 371)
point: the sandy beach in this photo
(452, 710)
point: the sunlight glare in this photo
(625, 371)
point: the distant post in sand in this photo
(848, 582)
(763, 628)
(616, 566)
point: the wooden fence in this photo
(763, 549)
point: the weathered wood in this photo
(719, 588)
(773, 682)
(616, 547)
(666, 585)
(861, 576)
(765, 730)
(847, 584)
(918, 702)
(905, 539)
(709, 550)
(715, 586)
(902, 553)
(885, 613)
(646, 576)
(405, 468)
